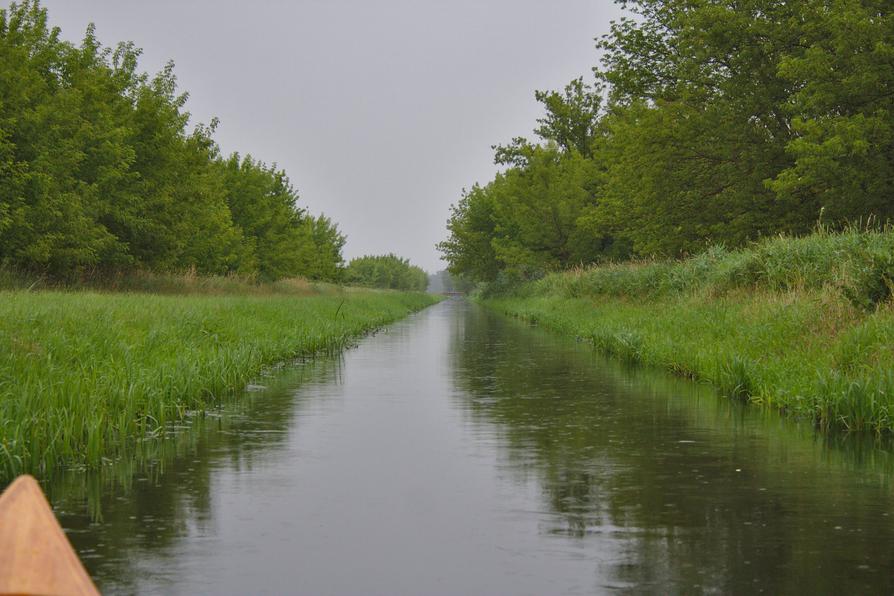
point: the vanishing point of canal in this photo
(459, 452)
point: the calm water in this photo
(458, 452)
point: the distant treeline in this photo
(386, 271)
(443, 282)
(710, 122)
(99, 172)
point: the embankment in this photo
(804, 326)
(84, 375)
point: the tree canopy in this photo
(708, 122)
(99, 170)
(386, 271)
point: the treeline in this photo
(99, 172)
(386, 271)
(709, 122)
(442, 282)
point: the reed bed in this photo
(84, 375)
(802, 325)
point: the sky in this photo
(382, 111)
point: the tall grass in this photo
(857, 263)
(84, 375)
(803, 325)
(184, 282)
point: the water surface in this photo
(459, 452)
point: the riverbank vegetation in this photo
(707, 123)
(143, 274)
(802, 325)
(715, 202)
(151, 282)
(102, 174)
(85, 375)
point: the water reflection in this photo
(461, 452)
(703, 493)
(164, 494)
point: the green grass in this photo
(805, 326)
(84, 375)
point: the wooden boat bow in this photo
(35, 555)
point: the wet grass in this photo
(84, 375)
(804, 326)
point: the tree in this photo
(100, 171)
(386, 271)
(321, 256)
(46, 209)
(472, 227)
(572, 117)
(843, 113)
(698, 122)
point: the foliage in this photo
(100, 172)
(472, 227)
(842, 107)
(710, 122)
(387, 272)
(281, 239)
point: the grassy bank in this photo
(84, 374)
(805, 326)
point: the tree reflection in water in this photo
(705, 493)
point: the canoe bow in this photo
(35, 555)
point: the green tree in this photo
(536, 211)
(100, 171)
(472, 227)
(386, 271)
(321, 256)
(572, 118)
(698, 122)
(46, 209)
(843, 113)
(264, 206)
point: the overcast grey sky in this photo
(379, 111)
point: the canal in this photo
(459, 452)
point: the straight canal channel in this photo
(459, 452)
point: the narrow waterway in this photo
(458, 452)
